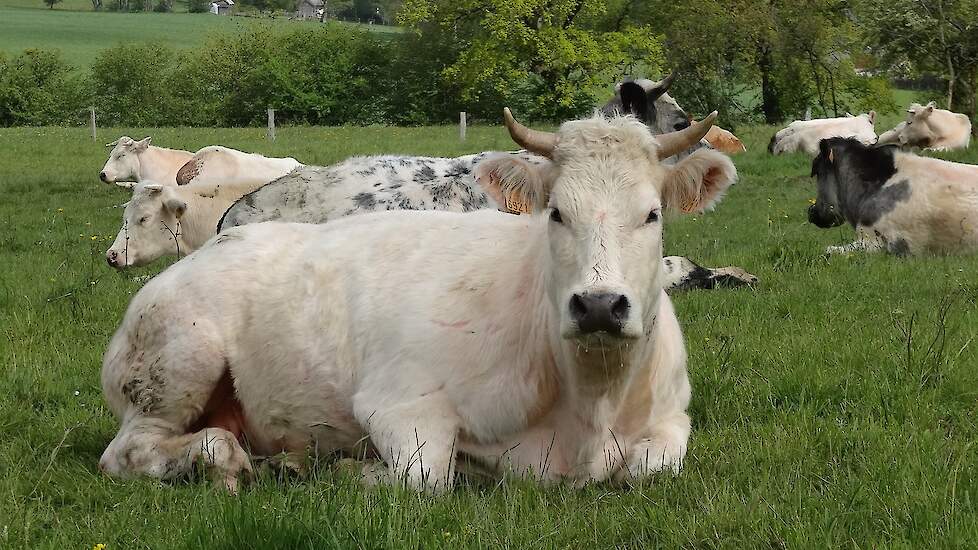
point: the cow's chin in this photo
(601, 339)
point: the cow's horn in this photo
(113, 144)
(676, 142)
(535, 141)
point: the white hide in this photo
(222, 165)
(804, 135)
(930, 128)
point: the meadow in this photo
(79, 33)
(834, 404)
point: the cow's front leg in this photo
(157, 448)
(664, 448)
(416, 438)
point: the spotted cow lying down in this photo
(317, 194)
(898, 202)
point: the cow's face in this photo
(918, 130)
(150, 227)
(602, 199)
(827, 211)
(123, 163)
(648, 101)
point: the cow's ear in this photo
(872, 117)
(698, 182)
(926, 112)
(176, 206)
(142, 144)
(515, 185)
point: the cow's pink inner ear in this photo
(698, 181)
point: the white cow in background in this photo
(132, 161)
(804, 135)
(930, 128)
(398, 335)
(166, 220)
(222, 165)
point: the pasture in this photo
(834, 404)
(80, 35)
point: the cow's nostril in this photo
(577, 307)
(103, 176)
(619, 308)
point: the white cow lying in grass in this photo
(930, 128)
(131, 162)
(215, 165)
(166, 220)
(399, 335)
(162, 220)
(804, 135)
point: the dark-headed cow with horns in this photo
(897, 202)
(397, 335)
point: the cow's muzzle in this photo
(823, 219)
(599, 312)
(103, 176)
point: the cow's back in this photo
(317, 194)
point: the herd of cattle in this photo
(492, 312)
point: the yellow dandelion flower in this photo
(94, 237)
(61, 210)
(811, 201)
(99, 546)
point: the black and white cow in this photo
(898, 202)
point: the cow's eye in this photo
(653, 216)
(143, 220)
(555, 216)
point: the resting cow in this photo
(804, 135)
(898, 202)
(398, 335)
(165, 220)
(135, 161)
(223, 165)
(928, 127)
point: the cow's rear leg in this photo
(162, 450)
(417, 440)
(684, 274)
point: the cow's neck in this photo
(197, 226)
(156, 164)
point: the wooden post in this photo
(461, 126)
(92, 109)
(271, 124)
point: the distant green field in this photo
(80, 35)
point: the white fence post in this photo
(92, 109)
(271, 124)
(461, 126)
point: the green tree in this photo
(545, 57)
(789, 54)
(938, 36)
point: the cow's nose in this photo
(599, 312)
(682, 125)
(112, 257)
(103, 176)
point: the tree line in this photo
(755, 61)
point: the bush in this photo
(198, 6)
(38, 88)
(130, 84)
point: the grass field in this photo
(835, 404)
(81, 35)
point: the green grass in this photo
(818, 422)
(81, 35)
